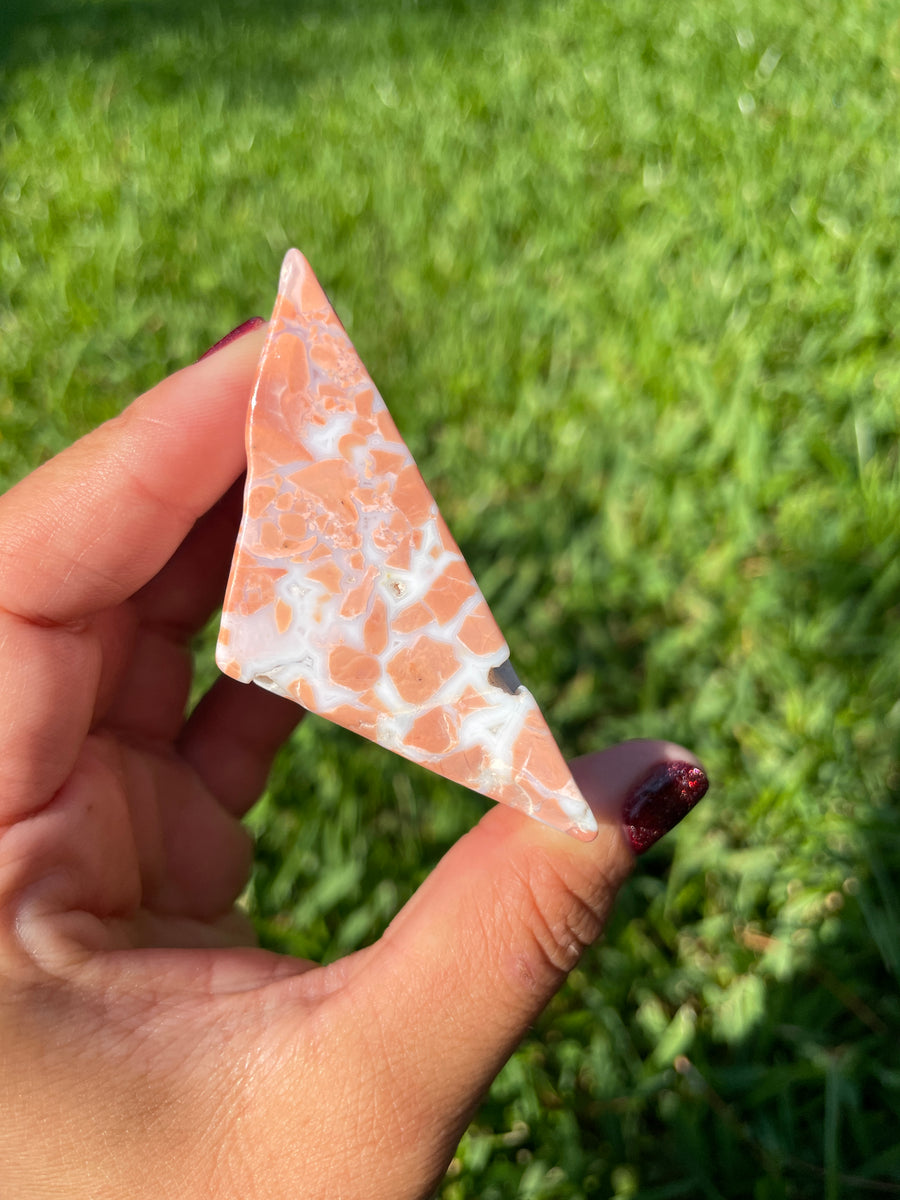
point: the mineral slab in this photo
(347, 592)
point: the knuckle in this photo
(561, 914)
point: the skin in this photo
(148, 1048)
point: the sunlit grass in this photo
(627, 276)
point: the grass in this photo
(627, 275)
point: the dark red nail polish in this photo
(655, 806)
(253, 323)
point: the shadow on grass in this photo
(100, 27)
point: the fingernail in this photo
(657, 805)
(253, 323)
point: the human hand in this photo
(149, 1049)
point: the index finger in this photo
(91, 526)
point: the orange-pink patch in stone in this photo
(352, 669)
(348, 593)
(435, 732)
(419, 670)
(479, 631)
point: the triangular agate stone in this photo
(347, 592)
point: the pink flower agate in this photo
(347, 592)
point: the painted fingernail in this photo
(253, 323)
(655, 806)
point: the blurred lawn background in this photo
(627, 276)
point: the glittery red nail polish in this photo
(657, 804)
(243, 328)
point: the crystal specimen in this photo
(347, 592)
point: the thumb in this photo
(481, 948)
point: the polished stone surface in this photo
(349, 595)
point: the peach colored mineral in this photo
(347, 592)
